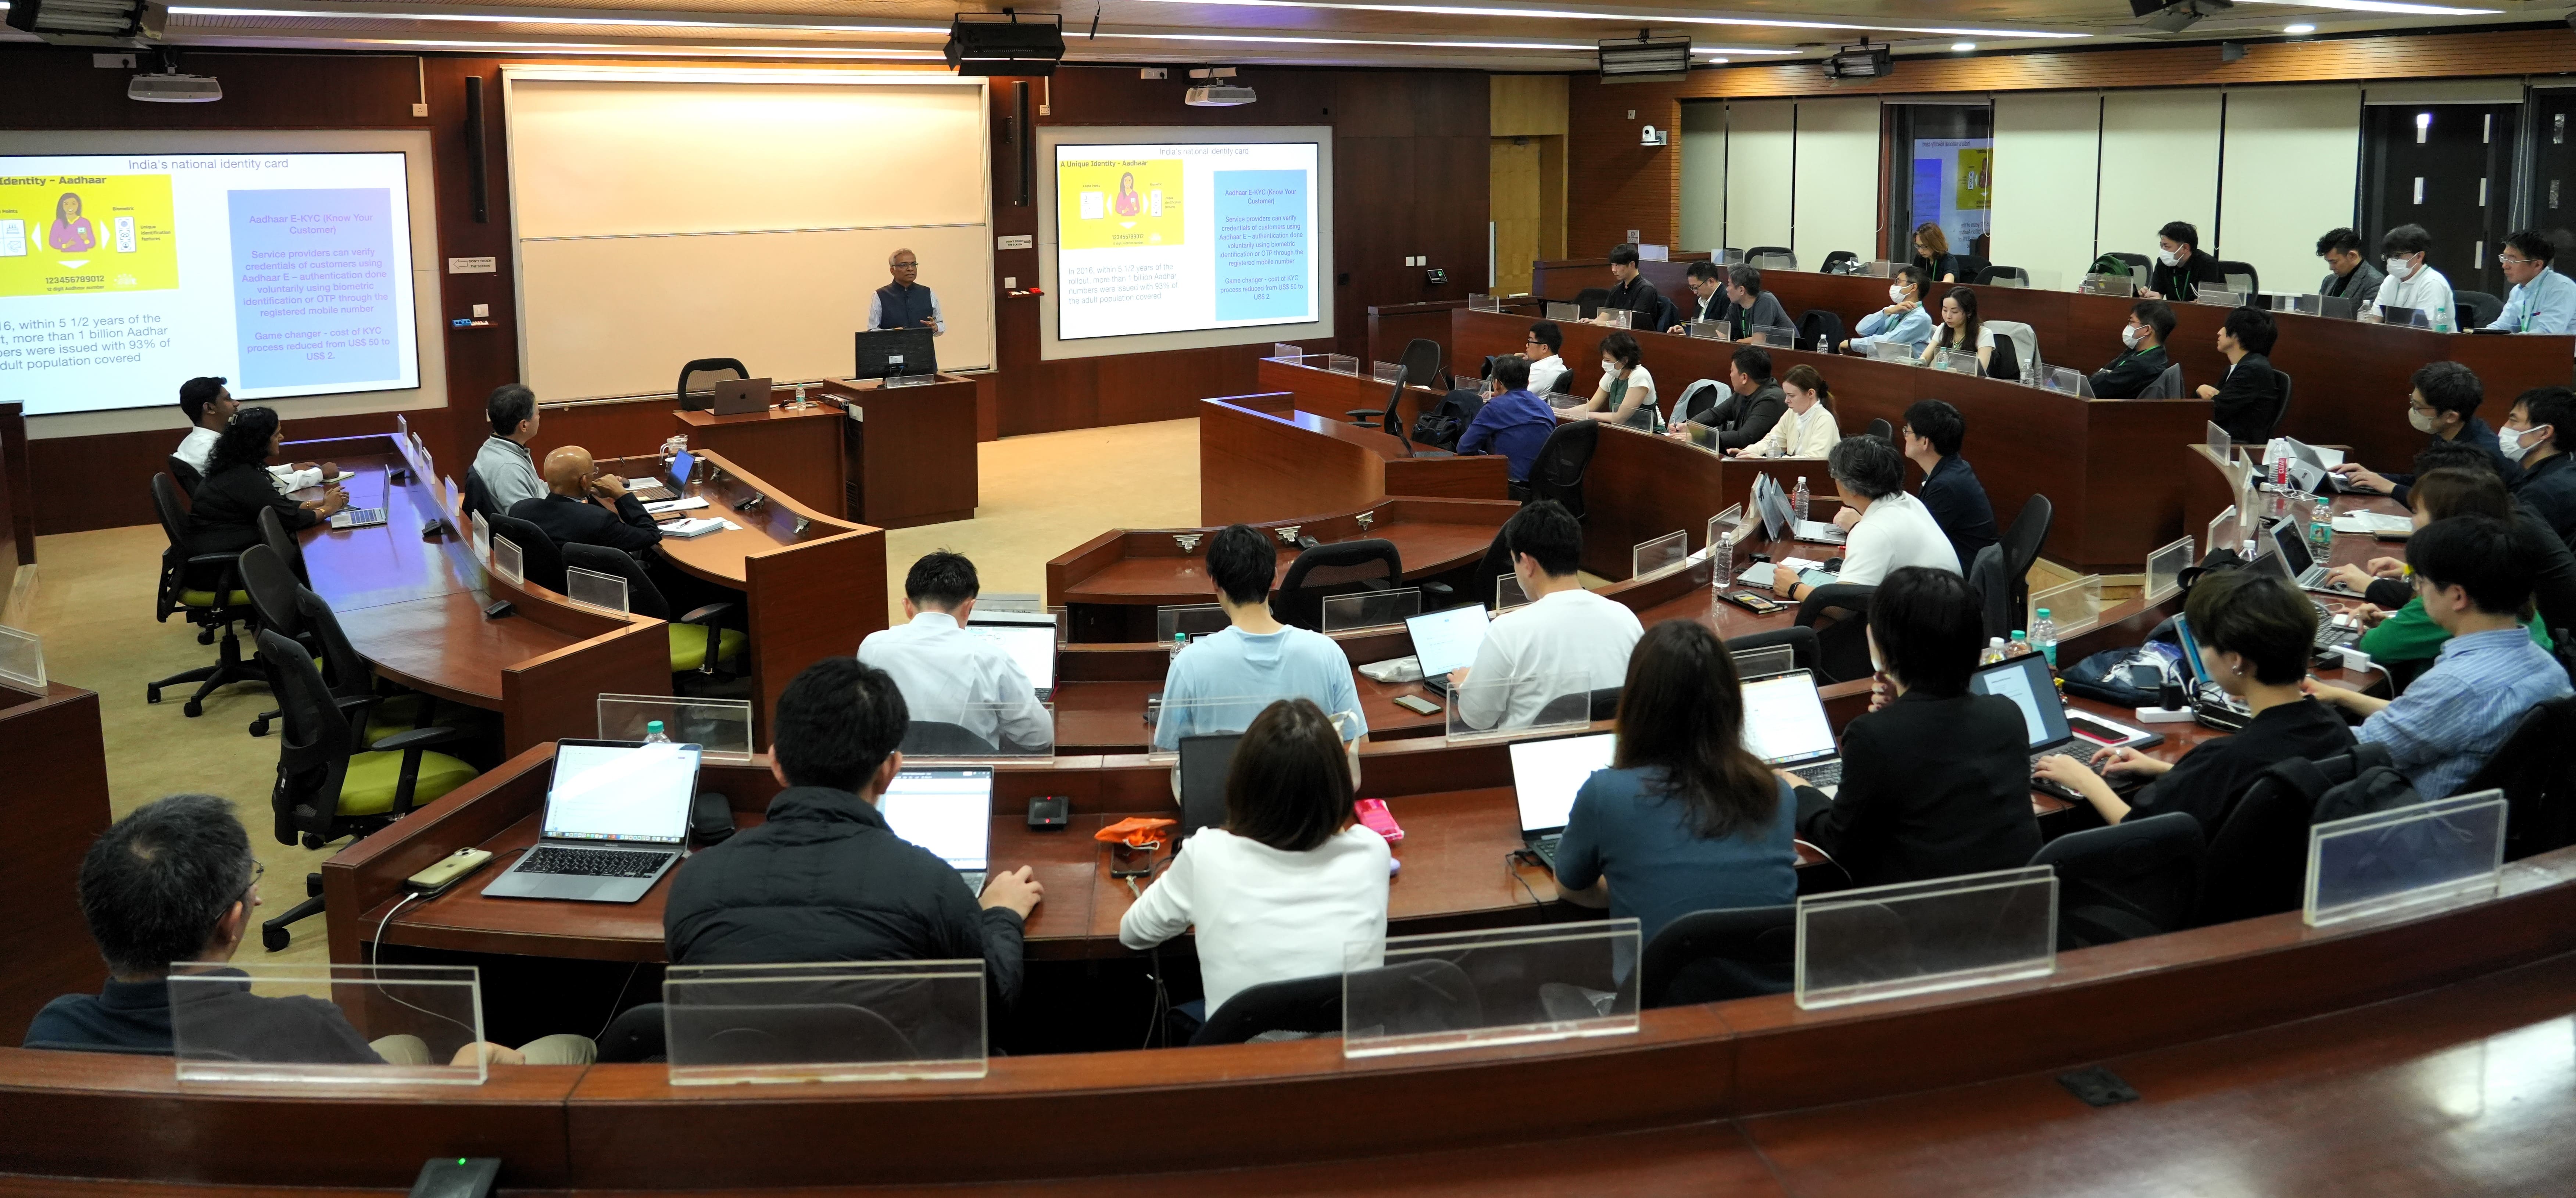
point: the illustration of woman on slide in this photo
(71, 232)
(1129, 203)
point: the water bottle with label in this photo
(653, 734)
(1798, 499)
(2043, 637)
(2321, 531)
(800, 395)
(1180, 641)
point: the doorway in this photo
(2449, 168)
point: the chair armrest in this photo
(1363, 414)
(1843, 596)
(704, 614)
(417, 738)
(214, 559)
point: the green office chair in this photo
(295, 612)
(207, 587)
(698, 644)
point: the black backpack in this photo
(1441, 427)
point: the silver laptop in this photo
(1029, 637)
(358, 517)
(1545, 776)
(947, 811)
(616, 820)
(1785, 726)
(1446, 640)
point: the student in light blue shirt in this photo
(2542, 300)
(2474, 577)
(1223, 680)
(1902, 322)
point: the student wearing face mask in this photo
(2181, 270)
(2530, 437)
(1627, 392)
(2444, 405)
(1709, 299)
(2412, 281)
(2143, 362)
(1902, 322)
(2250, 398)
(2542, 300)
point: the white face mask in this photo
(2398, 269)
(2132, 335)
(2421, 418)
(2518, 442)
(2167, 257)
(1609, 367)
(1896, 294)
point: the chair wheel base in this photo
(152, 692)
(275, 940)
(259, 727)
(193, 709)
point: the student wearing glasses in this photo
(2542, 300)
(1932, 254)
(1540, 347)
(1710, 300)
(2444, 405)
(2405, 640)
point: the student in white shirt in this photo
(1541, 347)
(508, 473)
(1627, 392)
(209, 407)
(1960, 330)
(1807, 429)
(950, 675)
(1895, 530)
(2412, 282)
(1290, 886)
(1566, 641)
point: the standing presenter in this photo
(904, 303)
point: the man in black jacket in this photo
(1746, 415)
(2143, 362)
(1633, 293)
(824, 879)
(568, 515)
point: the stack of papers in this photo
(676, 505)
(695, 527)
(2374, 524)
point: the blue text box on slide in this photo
(1261, 267)
(313, 285)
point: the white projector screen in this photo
(123, 274)
(1181, 238)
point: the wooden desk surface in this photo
(444, 645)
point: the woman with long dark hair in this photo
(1686, 818)
(225, 516)
(1961, 330)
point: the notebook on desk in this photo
(616, 817)
(2053, 729)
(358, 517)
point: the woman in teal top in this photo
(1685, 819)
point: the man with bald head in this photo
(905, 303)
(585, 505)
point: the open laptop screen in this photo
(2191, 664)
(2290, 537)
(1546, 773)
(1784, 719)
(1774, 505)
(949, 812)
(1447, 640)
(621, 792)
(2025, 681)
(1031, 646)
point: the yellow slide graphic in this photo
(67, 234)
(1118, 203)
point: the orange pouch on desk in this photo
(1136, 831)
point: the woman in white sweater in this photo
(1807, 429)
(1291, 884)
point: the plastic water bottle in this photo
(2020, 646)
(1721, 563)
(800, 395)
(1994, 651)
(2043, 637)
(2321, 531)
(653, 734)
(1180, 641)
(1798, 499)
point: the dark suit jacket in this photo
(569, 521)
(2248, 399)
(2361, 286)
(2548, 490)
(1716, 307)
(224, 515)
(1958, 504)
(1931, 788)
(2182, 283)
(2130, 373)
(1742, 420)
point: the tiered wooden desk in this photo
(55, 801)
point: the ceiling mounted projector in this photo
(1213, 94)
(1002, 43)
(89, 22)
(1863, 61)
(2175, 17)
(174, 89)
(1646, 59)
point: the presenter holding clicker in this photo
(905, 303)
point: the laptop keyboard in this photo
(1545, 847)
(593, 863)
(1820, 774)
(2079, 754)
(974, 879)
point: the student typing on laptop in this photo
(2443, 405)
(951, 675)
(1894, 530)
(825, 878)
(1565, 641)
(2402, 638)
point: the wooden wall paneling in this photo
(1616, 184)
(17, 500)
(56, 803)
(1527, 105)
(617, 428)
(1393, 328)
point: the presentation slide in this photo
(1185, 236)
(123, 275)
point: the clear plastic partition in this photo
(721, 728)
(2066, 379)
(1193, 620)
(1881, 268)
(597, 591)
(842, 1021)
(2440, 852)
(1478, 989)
(1560, 310)
(1774, 336)
(2223, 531)
(1386, 372)
(346, 1024)
(2164, 570)
(1647, 252)
(1617, 318)
(448, 491)
(1484, 303)
(2219, 297)
(1342, 364)
(1371, 609)
(2310, 304)
(2074, 607)
(1508, 593)
(1286, 352)
(1769, 661)
(1773, 262)
(953, 731)
(1919, 937)
(1726, 257)
(506, 562)
(1171, 721)
(1010, 601)
(1484, 707)
(482, 539)
(22, 660)
(1063, 625)
(1723, 528)
(2121, 286)
(1959, 361)
(1668, 552)
(428, 464)
(1892, 351)
(2218, 439)
(1708, 330)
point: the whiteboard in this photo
(664, 215)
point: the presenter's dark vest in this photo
(902, 307)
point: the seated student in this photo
(2255, 631)
(2530, 437)
(1541, 347)
(1753, 404)
(2412, 282)
(572, 511)
(2350, 275)
(503, 462)
(1932, 254)
(175, 881)
(2143, 362)
(1902, 322)
(1255, 658)
(224, 517)
(2384, 582)
(1961, 330)
(1752, 308)
(2181, 270)
(2475, 583)
(1631, 292)
(1709, 301)
(1686, 818)
(1290, 883)
(2405, 640)
(1565, 641)
(823, 878)
(1627, 392)
(1894, 530)
(2542, 299)
(1514, 423)
(1936, 781)
(2443, 403)
(1807, 428)
(209, 407)
(950, 675)
(2250, 397)
(1930, 438)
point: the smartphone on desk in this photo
(1132, 861)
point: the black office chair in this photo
(2538, 778)
(2002, 276)
(2239, 277)
(1803, 650)
(1842, 645)
(2021, 544)
(329, 783)
(187, 475)
(1564, 384)
(207, 588)
(635, 1037)
(1840, 262)
(1712, 956)
(2476, 309)
(1339, 568)
(931, 738)
(696, 390)
(1304, 1006)
(1495, 565)
(540, 563)
(1883, 430)
(2135, 878)
(1969, 266)
(1589, 300)
(701, 642)
(1558, 472)
(2005, 362)
(1697, 400)
(1771, 257)
(1819, 331)
(2280, 408)
(2167, 385)
(2257, 864)
(478, 497)
(1421, 364)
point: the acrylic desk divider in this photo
(1484, 303)
(1385, 372)
(1919, 937)
(1342, 364)
(1892, 351)
(2441, 852)
(2307, 304)
(2121, 286)
(2066, 379)
(1769, 661)
(1558, 310)
(1011, 601)
(1649, 252)
(2219, 441)
(842, 1021)
(2223, 530)
(1708, 330)
(1371, 609)
(1519, 705)
(947, 730)
(1668, 552)
(2074, 607)
(596, 591)
(1960, 362)
(721, 728)
(447, 495)
(1880, 268)
(1453, 990)
(2219, 297)
(1617, 318)
(482, 541)
(22, 660)
(1193, 620)
(1774, 336)
(2164, 570)
(1508, 593)
(1286, 352)
(1726, 257)
(414, 1018)
(506, 563)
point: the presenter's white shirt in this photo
(951, 675)
(2427, 292)
(1567, 643)
(1264, 915)
(199, 445)
(1894, 533)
